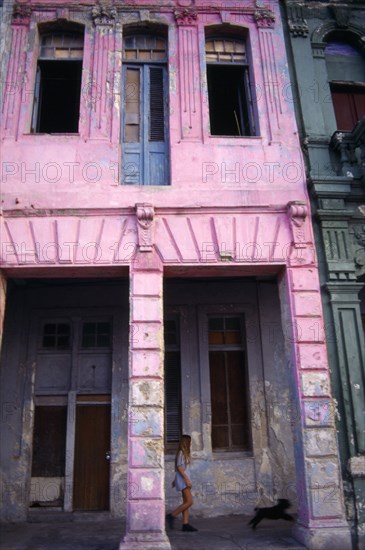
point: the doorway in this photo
(72, 398)
(92, 457)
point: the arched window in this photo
(231, 110)
(144, 116)
(58, 82)
(346, 75)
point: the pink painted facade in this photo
(233, 207)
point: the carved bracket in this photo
(145, 214)
(21, 14)
(103, 13)
(359, 248)
(298, 25)
(297, 212)
(265, 18)
(186, 17)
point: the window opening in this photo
(56, 335)
(96, 335)
(346, 72)
(58, 83)
(229, 93)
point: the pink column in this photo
(189, 71)
(265, 22)
(2, 305)
(101, 86)
(322, 520)
(15, 85)
(145, 498)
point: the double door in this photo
(72, 412)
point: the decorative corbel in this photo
(298, 25)
(297, 213)
(145, 214)
(265, 18)
(186, 17)
(103, 13)
(21, 14)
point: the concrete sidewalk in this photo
(98, 533)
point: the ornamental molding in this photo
(145, 215)
(298, 25)
(21, 14)
(265, 18)
(358, 232)
(298, 212)
(186, 16)
(103, 13)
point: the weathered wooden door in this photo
(144, 126)
(144, 114)
(91, 466)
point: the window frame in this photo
(247, 102)
(347, 95)
(144, 146)
(44, 64)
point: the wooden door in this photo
(144, 135)
(91, 466)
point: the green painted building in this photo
(326, 47)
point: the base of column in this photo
(147, 541)
(324, 537)
(361, 535)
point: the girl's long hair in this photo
(184, 447)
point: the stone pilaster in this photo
(2, 305)
(321, 522)
(145, 496)
(14, 87)
(190, 100)
(99, 91)
(265, 22)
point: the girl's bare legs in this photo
(184, 507)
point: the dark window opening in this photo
(231, 110)
(58, 83)
(227, 101)
(49, 441)
(58, 98)
(96, 335)
(56, 335)
(229, 385)
(172, 384)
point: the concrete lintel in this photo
(331, 537)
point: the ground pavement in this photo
(91, 532)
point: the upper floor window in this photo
(346, 75)
(58, 82)
(231, 110)
(144, 114)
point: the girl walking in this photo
(182, 483)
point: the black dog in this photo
(274, 512)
